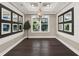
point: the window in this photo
(40, 24)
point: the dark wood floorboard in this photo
(40, 47)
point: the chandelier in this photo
(40, 10)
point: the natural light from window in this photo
(40, 24)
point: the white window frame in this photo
(34, 16)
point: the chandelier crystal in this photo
(40, 11)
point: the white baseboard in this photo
(7, 50)
(41, 37)
(70, 47)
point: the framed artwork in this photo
(66, 22)
(60, 27)
(6, 14)
(5, 28)
(15, 17)
(14, 27)
(60, 22)
(20, 27)
(68, 27)
(9, 21)
(20, 19)
(68, 16)
(60, 18)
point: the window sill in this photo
(40, 32)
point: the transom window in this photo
(40, 24)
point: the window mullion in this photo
(40, 25)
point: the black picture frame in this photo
(20, 23)
(6, 14)
(2, 21)
(5, 28)
(20, 27)
(60, 22)
(68, 22)
(20, 19)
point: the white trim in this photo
(70, 47)
(45, 16)
(41, 37)
(8, 49)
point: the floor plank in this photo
(40, 47)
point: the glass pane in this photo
(20, 27)
(5, 28)
(14, 27)
(6, 14)
(60, 26)
(60, 19)
(15, 17)
(20, 19)
(44, 24)
(68, 16)
(68, 27)
(36, 24)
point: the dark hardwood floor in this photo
(40, 47)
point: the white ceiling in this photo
(32, 7)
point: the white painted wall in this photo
(9, 41)
(69, 40)
(52, 28)
(72, 41)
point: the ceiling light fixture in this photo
(40, 11)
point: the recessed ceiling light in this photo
(32, 5)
